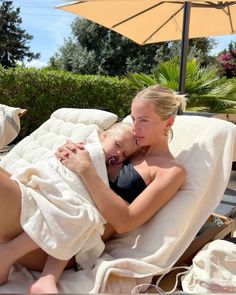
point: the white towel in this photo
(9, 124)
(57, 211)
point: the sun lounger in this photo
(206, 148)
(9, 123)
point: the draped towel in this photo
(57, 211)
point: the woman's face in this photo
(147, 126)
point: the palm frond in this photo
(203, 85)
(140, 80)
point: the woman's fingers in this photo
(76, 161)
(80, 145)
(69, 145)
(65, 151)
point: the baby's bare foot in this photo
(45, 284)
(5, 265)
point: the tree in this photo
(199, 48)
(93, 49)
(227, 59)
(13, 45)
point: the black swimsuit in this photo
(128, 184)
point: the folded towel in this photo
(9, 124)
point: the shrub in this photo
(43, 91)
(227, 59)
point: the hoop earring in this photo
(171, 133)
(166, 131)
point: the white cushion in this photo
(64, 123)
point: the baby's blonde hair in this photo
(166, 101)
(118, 128)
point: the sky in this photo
(50, 27)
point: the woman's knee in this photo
(5, 172)
(10, 208)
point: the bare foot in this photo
(45, 284)
(5, 264)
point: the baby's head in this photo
(118, 143)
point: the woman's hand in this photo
(74, 156)
(63, 151)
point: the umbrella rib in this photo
(72, 4)
(143, 11)
(137, 14)
(230, 19)
(219, 5)
(209, 4)
(172, 16)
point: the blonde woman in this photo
(156, 175)
(150, 178)
(144, 185)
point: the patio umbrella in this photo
(152, 21)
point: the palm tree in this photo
(204, 87)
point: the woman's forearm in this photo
(113, 208)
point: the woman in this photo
(154, 171)
(153, 111)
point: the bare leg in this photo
(10, 228)
(11, 251)
(36, 260)
(10, 207)
(5, 171)
(49, 277)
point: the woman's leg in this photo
(11, 251)
(5, 171)
(52, 271)
(10, 228)
(37, 259)
(10, 207)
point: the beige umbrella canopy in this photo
(152, 21)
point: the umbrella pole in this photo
(184, 46)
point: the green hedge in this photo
(42, 92)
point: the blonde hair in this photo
(166, 101)
(118, 128)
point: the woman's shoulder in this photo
(165, 167)
(172, 170)
(172, 164)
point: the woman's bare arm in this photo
(122, 216)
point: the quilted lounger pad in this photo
(75, 124)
